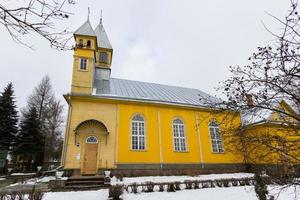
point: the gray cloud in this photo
(184, 43)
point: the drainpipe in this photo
(67, 130)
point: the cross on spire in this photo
(101, 17)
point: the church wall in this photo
(159, 128)
(84, 110)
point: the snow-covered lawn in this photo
(161, 179)
(231, 193)
(22, 174)
(34, 181)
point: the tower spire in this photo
(101, 17)
(88, 13)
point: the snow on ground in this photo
(231, 193)
(161, 179)
(22, 174)
(2, 179)
(34, 181)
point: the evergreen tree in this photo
(260, 188)
(8, 118)
(30, 142)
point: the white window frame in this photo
(83, 64)
(179, 136)
(138, 133)
(217, 145)
(91, 142)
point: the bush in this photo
(13, 196)
(219, 183)
(225, 182)
(234, 182)
(115, 191)
(134, 188)
(149, 187)
(177, 185)
(188, 185)
(206, 184)
(35, 195)
(211, 184)
(161, 188)
(242, 182)
(196, 185)
(2, 195)
(171, 187)
(21, 196)
(260, 188)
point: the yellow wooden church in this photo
(131, 125)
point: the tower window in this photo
(88, 44)
(103, 57)
(80, 44)
(83, 64)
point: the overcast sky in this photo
(184, 43)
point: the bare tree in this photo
(21, 18)
(49, 111)
(261, 89)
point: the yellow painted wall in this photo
(116, 115)
(84, 110)
(262, 154)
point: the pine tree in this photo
(30, 142)
(8, 118)
(260, 188)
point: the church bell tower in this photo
(92, 57)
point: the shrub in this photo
(205, 184)
(171, 187)
(161, 188)
(260, 188)
(21, 196)
(219, 183)
(2, 195)
(247, 181)
(234, 182)
(211, 184)
(35, 195)
(242, 182)
(225, 182)
(115, 191)
(134, 188)
(149, 187)
(13, 195)
(177, 185)
(188, 185)
(196, 185)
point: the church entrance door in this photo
(90, 156)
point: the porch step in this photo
(86, 182)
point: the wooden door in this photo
(90, 159)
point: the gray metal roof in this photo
(102, 39)
(143, 91)
(85, 29)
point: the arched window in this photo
(179, 135)
(80, 44)
(138, 133)
(91, 140)
(88, 44)
(216, 138)
(103, 57)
